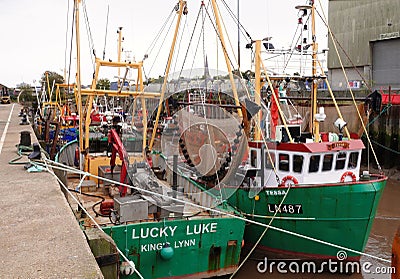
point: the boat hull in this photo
(338, 214)
(203, 247)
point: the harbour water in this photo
(379, 244)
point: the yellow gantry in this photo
(84, 116)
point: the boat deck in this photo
(40, 237)
(90, 198)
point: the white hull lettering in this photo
(169, 231)
(158, 246)
(152, 247)
(201, 228)
(285, 208)
(155, 232)
(185, 243)
(275, 192)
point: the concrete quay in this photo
(39, 235)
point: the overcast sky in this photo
(35, 36)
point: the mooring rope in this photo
(261, 236)
(60, 166)
(131, 263)
(352, 95)
(385, 147)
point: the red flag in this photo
(274, 111)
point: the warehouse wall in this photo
(356, 25)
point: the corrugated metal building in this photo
(369, 33)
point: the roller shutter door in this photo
(386, 63)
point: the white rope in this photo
(280, 217)
(261, 236)
(58, 166)
(352, 94)
(131, 263)
(214, 154)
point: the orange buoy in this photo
(396, 254)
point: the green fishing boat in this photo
(158, 234)
(299, 182)
(314, 212)
(305, 180)
(137, 225)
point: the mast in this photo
(48, 86)
(119, 31)
(182, 5)
(87, 118)
(315, 124)
(78, 76)
(224, 49)
(257, 96)
(182, 10)
(139, 86)
(238, 29)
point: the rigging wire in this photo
(155, 40)
(66, 41)
(203, 40)
(159, 49)
(352, 95)
(229, 40)
(198, 41)
(219, 36)
(242, 30)
(345, 52)
(226, 52)
(202, 37)
(190, 42)
(385, 147)
(384, 110)
(179, 44)
(298, 41)
(105, 36)
(89, 32)
(71, 43)
(292, 46)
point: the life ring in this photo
(288, 178)
(346, 174)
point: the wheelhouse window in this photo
(253, 158)
(353, 160)
(314, 163)
(269, 160)
(284, 162)
(298, 163)
(327, 162)
(340, 160)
